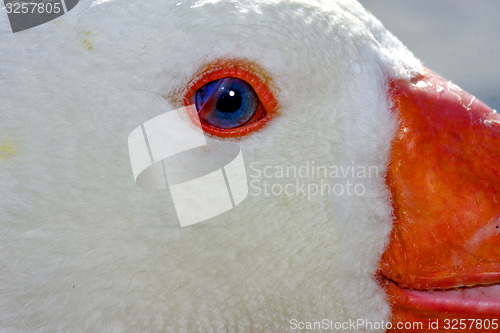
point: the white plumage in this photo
(84, 249)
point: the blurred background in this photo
(458, 39)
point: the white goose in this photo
(84, 249)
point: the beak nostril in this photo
(417, 78)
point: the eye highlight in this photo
(231, 99)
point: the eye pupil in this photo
(230, 101)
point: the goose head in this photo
(340, 104)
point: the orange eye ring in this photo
(244, 71)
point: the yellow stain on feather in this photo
(7, 149)
(86, 42)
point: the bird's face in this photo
(320, 74)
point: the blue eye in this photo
(226, 103)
